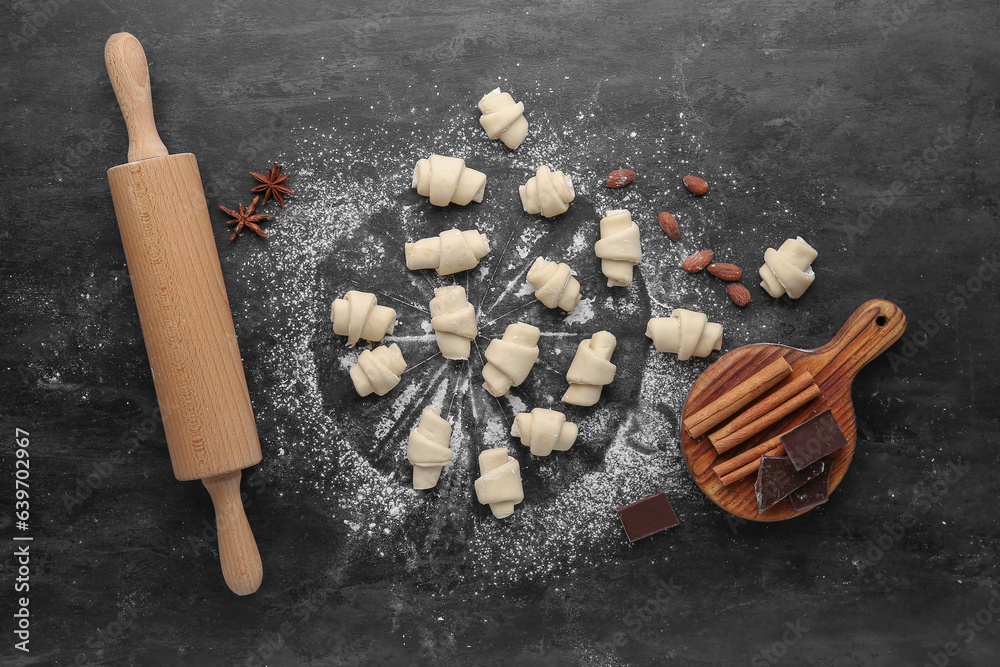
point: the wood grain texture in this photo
(873, 327)
(125, 60)
(184, 312)
(238, 552)
(186, 322)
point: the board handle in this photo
(868, 332)
(129, 74)
(238, 553)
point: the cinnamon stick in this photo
(747, 457)
(729, 403)
(740, 473)
(793, 395)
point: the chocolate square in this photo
(647, 516)
(777, 478)
(809, 442)
(814, 492)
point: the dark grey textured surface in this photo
(874, 125)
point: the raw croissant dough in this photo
(427, 448)
(446, 180)
(503, 118)
(454, 321)
(554, 286)
(619, 247)
(509, 359)
(544, 430)
(378, 370)
(449, 252)
(499, 483)
(547, 192)
(591, 369)
(788, 270)
(358, 315)
(685, 333)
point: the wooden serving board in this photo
(869, 332)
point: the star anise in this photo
(272, 184)
(246, 217)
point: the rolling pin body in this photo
(185, 316)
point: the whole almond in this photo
(619, 178)
(698, 261)
(669, 225)
(738, 293)
(728, 272)
(696, 185)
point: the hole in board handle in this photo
(881, 320)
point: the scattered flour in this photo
(353, 208)
(583, 313)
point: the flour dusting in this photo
(345, 227)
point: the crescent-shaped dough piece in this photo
(685, 333)
(788, 270)
(499, 483)
(378, 370)
(449, 252)
(453, 319)
(510, 359)
(544, 430)
(591, 369)
(547, 192)
(554, 285)
(427, 449)
(446, 180)
(619, 247)
(502, 118)
(358, 316)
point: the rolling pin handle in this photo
(129, 73)
(238, 553)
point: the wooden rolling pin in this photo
(185, 316)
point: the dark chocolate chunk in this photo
(814, 492)
(777, 478)
(809, 442)
(647, 516)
